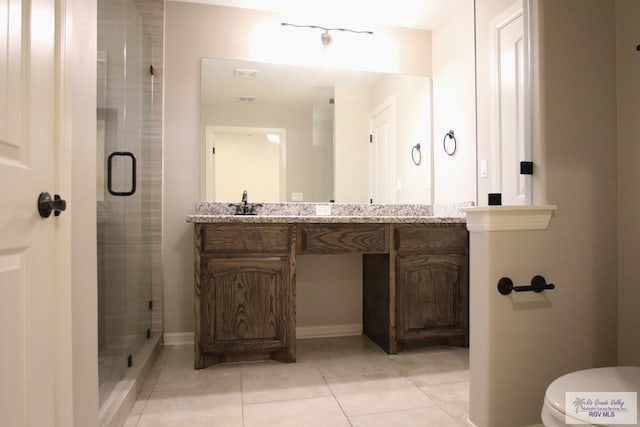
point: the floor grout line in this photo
(137, 419)
(332, 355)
(336, 399)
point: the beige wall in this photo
(454, 106)
(520, 343)
(412, 95)
(328, 289)
(194, 31)
(628, 68)
(351, 160)
(354, 104)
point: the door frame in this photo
(76, 276)
(389, 103)
(517, 9)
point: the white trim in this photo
(302, 332)
(508, 218)
(77, 345)
(469, 423)
(178, 338)
(529, 21)
(327, 331)
(116, 408)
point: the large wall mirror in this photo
(273, 129)
(296, 133)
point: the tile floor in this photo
(336, 382)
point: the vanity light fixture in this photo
(325, 37)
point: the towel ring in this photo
(446, 144)
(414, 150)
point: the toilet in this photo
(611, 379)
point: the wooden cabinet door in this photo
(432, 296)
(244, 302)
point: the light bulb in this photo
(326, 39)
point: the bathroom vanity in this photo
(415, 277)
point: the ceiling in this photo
(421, 14)
(274, 84)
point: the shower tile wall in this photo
(130, 37)
(152, 12)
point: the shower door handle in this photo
(132, 191)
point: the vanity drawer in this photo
(342, 238)
(431, 238)
(235, 238)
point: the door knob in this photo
(46, 205)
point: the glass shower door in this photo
(124, 264)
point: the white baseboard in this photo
(327, 331)
(178, 338)
(302, 332)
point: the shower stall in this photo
(128, 183)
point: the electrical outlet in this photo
(297, 197)
(323, 210)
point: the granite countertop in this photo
(283, 213)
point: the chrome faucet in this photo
(244, 197)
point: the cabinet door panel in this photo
(432, 295)
(242, 302)
(246, 305)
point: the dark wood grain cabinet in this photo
(342, 238)
(243, 298)
(244, 302)
(432, 284)
(415, 284)
(432, 297)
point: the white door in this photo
(382, 170)
(510, 116)
(28, 243)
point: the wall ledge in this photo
(508, 218)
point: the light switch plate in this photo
(323, 210)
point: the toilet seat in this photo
(617, 378)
